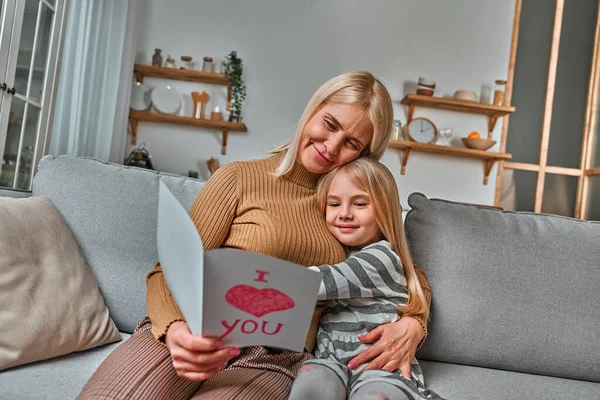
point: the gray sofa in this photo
(515, 310)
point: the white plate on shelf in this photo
(140, 96)
(166, 100)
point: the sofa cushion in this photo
(112, 212)
(510, 290)
(453, 381)
(14, 193)
(50, 304)
(56, 379)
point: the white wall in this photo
(289, 48)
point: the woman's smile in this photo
(320, 156)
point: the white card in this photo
(252, 299)
(242, 297)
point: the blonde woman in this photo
(256, 206)
(377, 282)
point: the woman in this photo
(255, 206)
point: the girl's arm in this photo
(213, 212)
(374, 271)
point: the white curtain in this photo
(90, 117)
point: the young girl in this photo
(362, 210)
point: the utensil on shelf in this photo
(213, 164)
(200, 100)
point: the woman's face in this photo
(335, 135)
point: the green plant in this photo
(233, 72)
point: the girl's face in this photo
(335, 135)
(349, 213)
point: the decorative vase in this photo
(157, 58)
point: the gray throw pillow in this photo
(515, 291)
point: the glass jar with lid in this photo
(207, 64)
(499, 92)
(186, 62)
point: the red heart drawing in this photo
(258, 302)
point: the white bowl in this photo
(465, 95)
(427, 82)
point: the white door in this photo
(7, 11)
(30, 38)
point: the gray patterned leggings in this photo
(331, 380)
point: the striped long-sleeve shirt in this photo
(362, 293)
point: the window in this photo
(553, 133)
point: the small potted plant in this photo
(233, 72)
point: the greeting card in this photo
(241, 297)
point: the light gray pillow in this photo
(50, 304)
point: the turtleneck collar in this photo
(298, 174)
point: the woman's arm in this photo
(213, 212)
(372, 272)
(422, 319)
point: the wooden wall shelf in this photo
(226, 127)
(142, 70)
(593, 171)
(179, 74)
(489, 157)
(442, 103)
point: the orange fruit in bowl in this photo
(474, 134)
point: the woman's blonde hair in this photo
(375, 179)
(357, 87)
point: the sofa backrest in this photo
(112, 211)
(510, 290)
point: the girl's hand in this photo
(196, 358)
(395, 349)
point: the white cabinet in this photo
(30, 36)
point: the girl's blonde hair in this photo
(357, 87)
(375, 179)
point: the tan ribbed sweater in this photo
(244, 206)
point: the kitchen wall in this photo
(289, 48)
